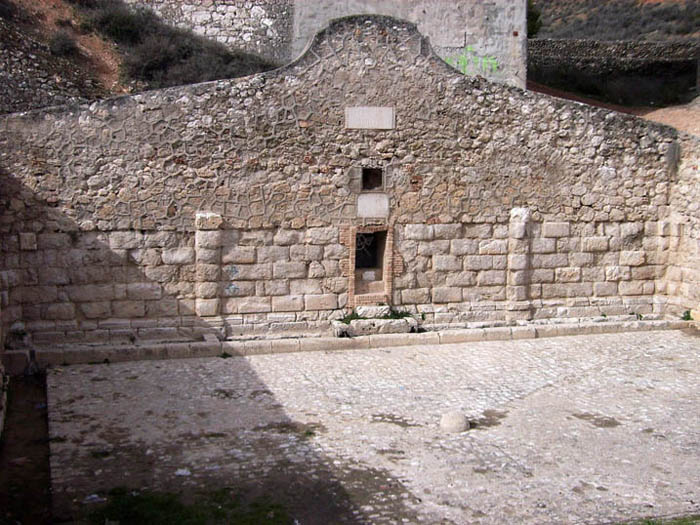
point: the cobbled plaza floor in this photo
(582, 429)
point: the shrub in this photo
(89, 4)
(63, 44)
(7, 10)
(179, 57)
(124, 25)
(160, 55)
(534, 19)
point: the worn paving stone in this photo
(583, 429)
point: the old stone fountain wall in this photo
(234, 204)
(478, 38)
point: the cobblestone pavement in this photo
(583, 429)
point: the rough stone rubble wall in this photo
(262, 27)
(505, 205)
(478, 38)
(617, 53)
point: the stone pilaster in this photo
(208, 240)
(518, 279)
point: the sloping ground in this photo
(684, 118)
(32, 77)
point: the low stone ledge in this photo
(388, 340)
(15, 361)
(333, 343)
(461, 336)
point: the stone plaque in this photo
(366, 117)
(373, 205)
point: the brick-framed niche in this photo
(380, 261)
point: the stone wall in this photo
(682, 232)
(478, 38)
(263, 27)
(633, 73)
(236, 205)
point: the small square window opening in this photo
(372, 179)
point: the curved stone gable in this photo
(482, 202)
(479, 38)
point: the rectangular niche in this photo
(370, 262)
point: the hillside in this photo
(31, 76)
(59, 51)
(656, 20)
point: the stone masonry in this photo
(237, 205)
(478, 38)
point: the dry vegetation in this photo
(620, 19)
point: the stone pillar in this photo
(207, 245)
(518, 279)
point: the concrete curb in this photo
(15, 361)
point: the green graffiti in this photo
(470, 63)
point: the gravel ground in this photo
(583, 429)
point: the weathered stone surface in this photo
(454, 422)
(614, 200)
(208, 221)
(556, 229)
(632, 258)
(290, 270)
(27, 241)
(292, 303)
(373, 311)
(447, 295)
(238, 254)
(360, 327)
(321, 302)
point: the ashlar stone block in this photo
(273, 254)
(595, 244)
(146, 291)
(288, 237)
(567, 275)
(207, 239)
(447, 295)
(415, 296)
(289, 270)
(238, 255)
(288, 303)
(321, 302)
(128, 309)
(493, 247)
(446, 263)
(555, 229)
(419, 232)
(632, 258)
(207, 307)
(207, 220)
(27, 241)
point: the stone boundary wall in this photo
(477, 38)
(225, 207)
(637, 73)
(614, 52)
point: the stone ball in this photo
(453, 422)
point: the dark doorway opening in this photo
(369, 262)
